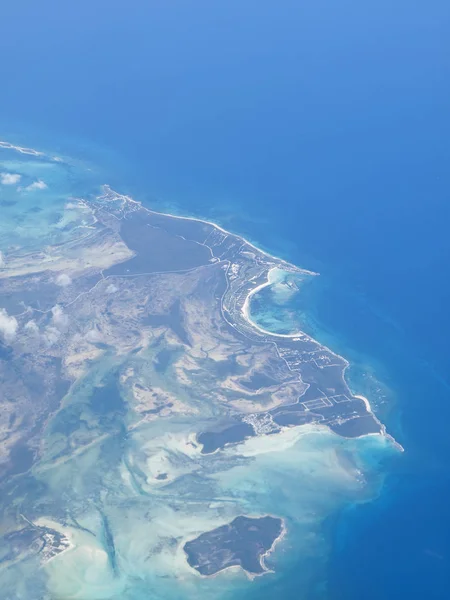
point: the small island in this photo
(242, 543)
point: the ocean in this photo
(320, 132)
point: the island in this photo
(242, 543)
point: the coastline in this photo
(275, 543)
(268, 283)
(301, 334)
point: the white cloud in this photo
(31, 326)
(93, 336)
(51, 335)
(36, 185)
(63, 280)
(59, 318)
(9, 178)
(2, 260)
(111, 289)
(8, 326)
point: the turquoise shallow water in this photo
(321, 132)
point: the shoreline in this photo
(139, 204)
(275, 543)
(300, 334)
(246, 307)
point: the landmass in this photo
(32, 539)
(129, 361)
(242, 543)
(189, 282)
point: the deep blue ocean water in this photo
(321, 131)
